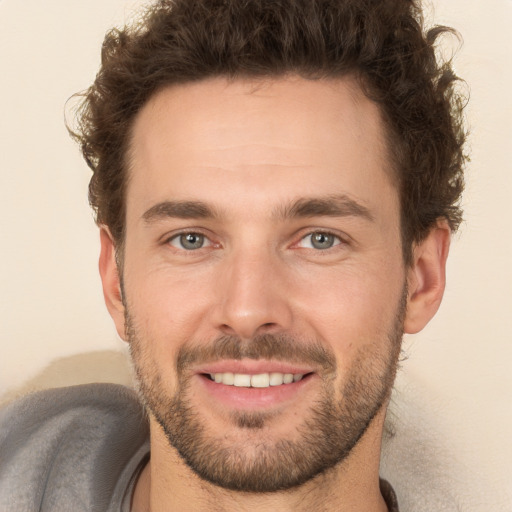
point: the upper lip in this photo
(253, 367)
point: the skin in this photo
(249, 150)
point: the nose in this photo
(253, 296)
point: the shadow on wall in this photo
(426, 463)
(100, 366)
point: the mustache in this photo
(265, 346)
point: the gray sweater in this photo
(76, 449)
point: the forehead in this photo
(279, 138)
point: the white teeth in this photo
(288, 378)
(262, 380)
(228, 379)
(241, 380)
(276, 379)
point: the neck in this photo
(168, 484)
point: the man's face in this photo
(262, 246)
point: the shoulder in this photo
(69, 447)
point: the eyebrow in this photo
(325, 206)
(180, 210)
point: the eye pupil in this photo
(192, 240)
(322, 240)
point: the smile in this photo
(261, 380)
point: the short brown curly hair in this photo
(381, 42)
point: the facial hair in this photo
(251, 460)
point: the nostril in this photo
(226, 329)
(247, 324)
(267, 328)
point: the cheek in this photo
(165, 298)
(350, 310)
(165, 310)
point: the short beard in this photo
(249, 461)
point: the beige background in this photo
(54, 329)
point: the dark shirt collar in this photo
(389, 495)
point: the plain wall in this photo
(54, 328)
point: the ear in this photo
(427, 277)
(110, 280)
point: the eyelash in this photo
(177, 236)
(338, 240)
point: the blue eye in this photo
(189, 241)
(319, 240)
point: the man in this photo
(276, 184)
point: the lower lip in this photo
(253, 398)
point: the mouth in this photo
(252, 385)
(260, 380)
